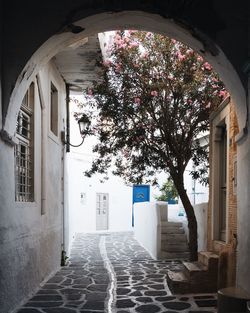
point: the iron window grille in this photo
(24, 161)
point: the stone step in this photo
(196, 277)
(177, 282)
(175, 247)
(171, 224)
(175, 255)
(177, 276)
(172, 230)
(194, 270)
(209, 259)
(174, 237)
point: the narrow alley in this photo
(111, 272)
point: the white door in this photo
(102, 203)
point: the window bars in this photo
(24, 150)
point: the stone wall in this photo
(227, 249)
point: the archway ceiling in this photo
(78, 63)
(32, 33)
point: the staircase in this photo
(196, 277)
(173, 241)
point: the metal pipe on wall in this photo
(43, 147)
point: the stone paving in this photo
(111, 272)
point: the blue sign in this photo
(141, 193)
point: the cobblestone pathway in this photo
(110, 272)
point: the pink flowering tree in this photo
(154, 99)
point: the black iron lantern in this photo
(84, 123)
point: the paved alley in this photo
(111, 272)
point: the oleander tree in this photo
(153, 100)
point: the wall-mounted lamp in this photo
(83, 123)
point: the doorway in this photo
(102, 210)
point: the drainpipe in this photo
(43, 147)
(65, 219)
(67, 119)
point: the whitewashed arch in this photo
(124, 20)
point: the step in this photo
(172, 230)
(194, 270)
(171, 224)
(209, 259)
(177, 277)
(195, 266)
(177, 282)
(176, 247)
(174, 237)
(175, 255)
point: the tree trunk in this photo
(192, 223)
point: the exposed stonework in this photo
(197, 277)
(227, 249)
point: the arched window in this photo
(24, 150)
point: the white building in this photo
(96, 203)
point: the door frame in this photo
(107, 215)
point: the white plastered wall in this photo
(82, 214)
(30, 241)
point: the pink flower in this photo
(122, 46)
(189, 101)
(131, 32)
(154, 93)
(90, 92)
(126, 153)
(190, 51)
(223, 94)
(133, 44)
(117, 36)
(148, 35)
(200, 58)
(107, 63)
(207, 66)
(118, 68)
(145, 55)
(173, 41)
(137, 100)
(180, 56)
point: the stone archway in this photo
(133, 20)
(54, 40)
